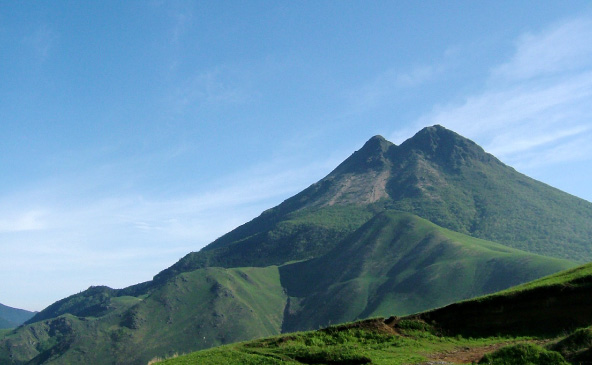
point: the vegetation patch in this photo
(523, 354)
(575, 346)
(415, 325)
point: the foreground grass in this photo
(508, 332)
(338, 345)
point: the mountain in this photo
(437, 175)
(13, 317)
(505, 327)
(392, 230)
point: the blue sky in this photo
(135, 132)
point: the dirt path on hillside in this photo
(468, 355)
(462, 355)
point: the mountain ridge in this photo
(445, 178)
(388, 223)
(12, 317)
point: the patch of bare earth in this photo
(469, 355)
(360, 189)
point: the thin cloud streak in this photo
(537, 103)
(32, 220)
(123, 239)
(561, 48)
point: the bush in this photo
(523, 354)
(581, 339)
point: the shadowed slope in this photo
(398, 263)
(548, 306)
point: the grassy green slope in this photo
(200, 309)
(277, 237)
(449, 180)
(440, 336)
(398, 263)
(299, 235)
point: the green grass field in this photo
(430, 337)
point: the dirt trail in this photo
(462, 355)
(469, 355)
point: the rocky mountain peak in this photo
(445, 147)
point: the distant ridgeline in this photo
(393, 230)
(13, 317)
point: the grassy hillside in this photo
(276, 237)
(449, 180)
(360, 343)
(398, 263)
(204, 308)
(427, 338)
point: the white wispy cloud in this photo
(31, 220)
(561, 48)
(536, 106)
(121, 238)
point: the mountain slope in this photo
(437, 336)
(13, 317)
(201, 309)
(437, 175)
(398, 263)
(517, 311)
(395, 263)
(548, 306)
(452, 182)
(350, 246)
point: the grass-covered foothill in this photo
(367, 342)
(506, 329)
(578, 276)
(394, 263)
(409, 342)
